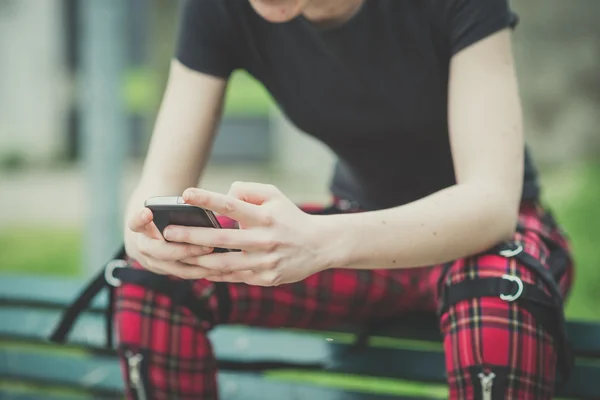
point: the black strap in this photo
(566, 359)
(532, 298)
(493, 287)
(179, 291)
(109, 315)
(223, 300)
(81, 303)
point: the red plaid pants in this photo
(481, 335)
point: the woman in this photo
(419, 101)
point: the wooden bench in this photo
(401, 362)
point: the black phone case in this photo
(186, 216)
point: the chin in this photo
(278, 11)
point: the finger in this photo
(168, 251)
(241, 211)
(240, 239)
(248, 277)
(232, 277)
(265, 278)
(140, 221)
(147, 263)
(184, 271)
(251, 192)
(154, 269)
(235, 261)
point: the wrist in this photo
(130, 243)
(334, 240)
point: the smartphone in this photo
(172, 210)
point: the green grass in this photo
(40, 250)
(575, 199)
(246, 96)
(141, 93)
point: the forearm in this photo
(182, 136)
(453, 223)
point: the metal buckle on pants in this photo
(109, 272)
(511, 252)
(513, 297)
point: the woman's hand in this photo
(146, 245)
(279, 243)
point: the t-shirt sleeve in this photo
(205, 37)
(470, 21)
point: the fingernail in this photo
(188, 194)
(168, 233)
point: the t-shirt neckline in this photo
(336, 26)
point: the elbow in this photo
(501, 215)
(505, 219)
(507, 229)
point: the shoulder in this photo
(207, 38)
(465, 22)
(455, 11)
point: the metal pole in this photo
(104, 127)
(138, 29)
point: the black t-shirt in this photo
(374, 89)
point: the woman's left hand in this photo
(279, 243)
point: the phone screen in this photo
(165, 215)
(185, 215)
(189, 217)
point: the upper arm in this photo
(192, 103)
(484, 108)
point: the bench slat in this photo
(233, 344)
(238, 345)
(102, 376)
(58, 291)
(383, 362)
(61, 291)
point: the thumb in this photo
(142, 223)
(254, 193)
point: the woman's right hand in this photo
(145, 244)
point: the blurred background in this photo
(78, 102)
(81, 81)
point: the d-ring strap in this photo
(115, 273)
(509, 288)
(546, 308)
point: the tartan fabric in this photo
(480, 336)
(489, 335)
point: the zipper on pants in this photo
(487, 381)
(136, 380)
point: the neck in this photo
(331, 12)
